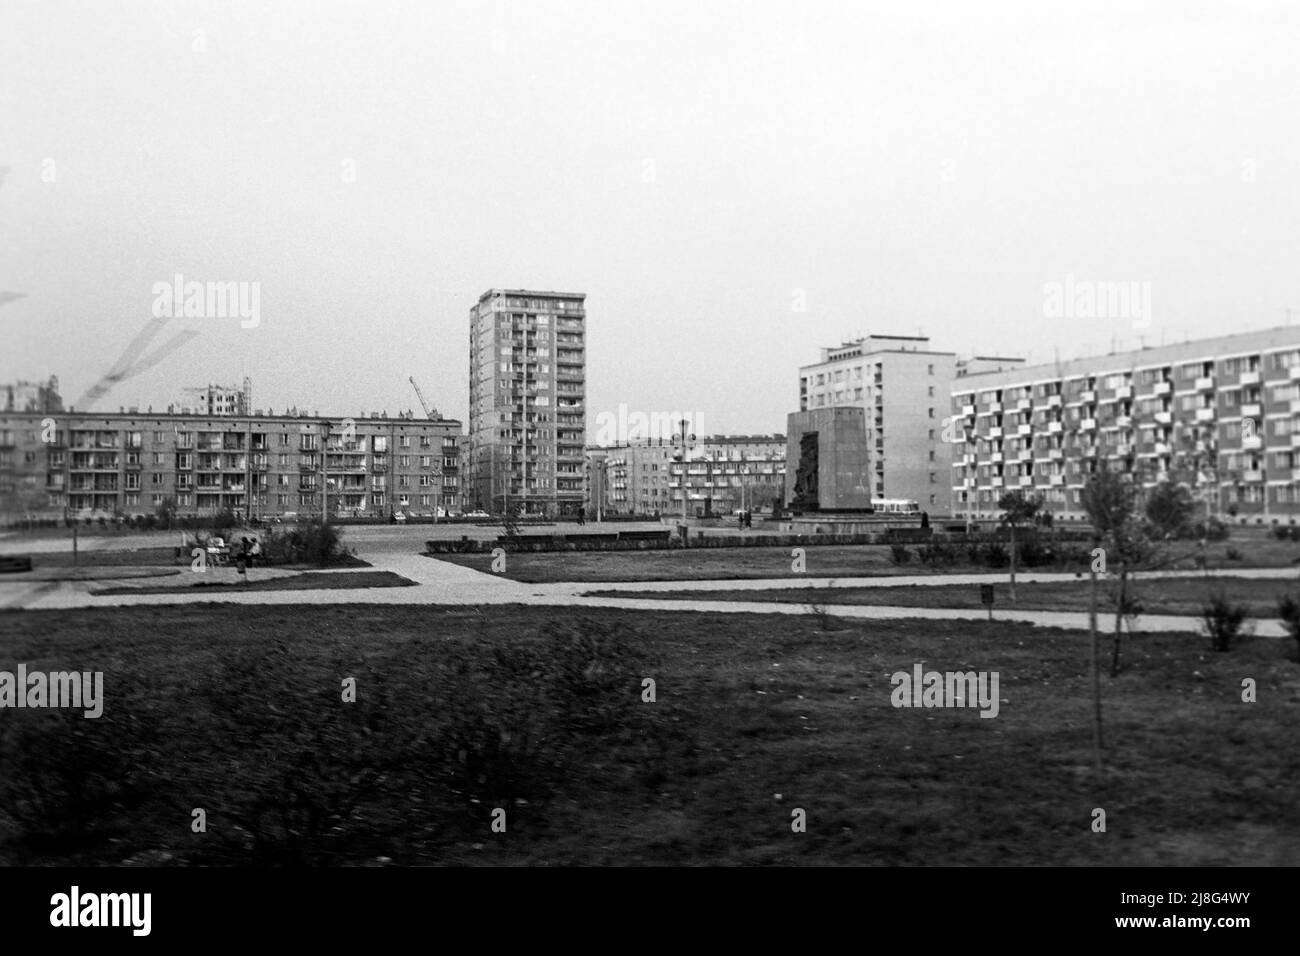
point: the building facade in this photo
(904, 387)
(262, 465)
(723, 474)
(31, 396)
(1220, 415)
(214, 400)
(527, 402)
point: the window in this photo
(157, 438)
(405, 441)
(931, 371)
(932, 413)
(932, 387)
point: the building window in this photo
(932, 413)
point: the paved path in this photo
(444, 583)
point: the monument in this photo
(828, 474)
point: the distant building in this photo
(903, 385)
(1221, 415)
(214, 400)
(527, 402)
(723, 474)
(31, 396)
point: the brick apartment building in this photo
(1220, 415)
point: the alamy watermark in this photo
(56, 689)
(625, 427)
(948, 689)
(1082, 299)
(208, 300)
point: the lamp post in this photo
(684, 438)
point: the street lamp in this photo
(684, 438)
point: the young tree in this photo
(166, 510)
(1018, 509)
(1168, 510)
(1110, 500)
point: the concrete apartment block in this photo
(1221, 415)
(88, 464)
(903, 385)
(527, 402)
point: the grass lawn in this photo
(1179, 596)
(462, 710)
(721, 564)
(310, 581)
(155, 558)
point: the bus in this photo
(895, 506)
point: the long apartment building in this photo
(527, 402)
(84, 464)
(904, 387)
(1221, 415)
(722, 474)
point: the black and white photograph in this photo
(442, 436)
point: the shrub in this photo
(308, 542)
(1233, 554)
(899, 554)
(1288, 609)
(1212, 530)
(1282, 533)
(997, 556)
(1223, 621)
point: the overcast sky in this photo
(702, 170)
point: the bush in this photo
(1223, 621)
(310, 542)
(996, 556)
(1212, 530)
(1282, 533)
(899, 554)
(1288, 609)
(1233, 554)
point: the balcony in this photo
(1026, 481)
(1123, 451)
(1024, 430)
(1024, 405)
(995, 408)
(1026, 454)
(1293, 373)
(1253, 475)
(967, 411)
(1054, 428)
(1295, 439)
(1124, 392)
(1250, 378)
(1205, 383)
(1088, 425)
(1252, 410)
(1251, 442)
(1205, 414)
(1164, 418)
(1124, 421)
(1056, 481)
(1162, 448)
(1055, 454)
(997, 458)
(1089, 397)
(995, 482)
(995, 432)
(1164, 388)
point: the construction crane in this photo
(428, 412)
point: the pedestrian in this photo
(255, 552)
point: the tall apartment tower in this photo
(527, 408)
